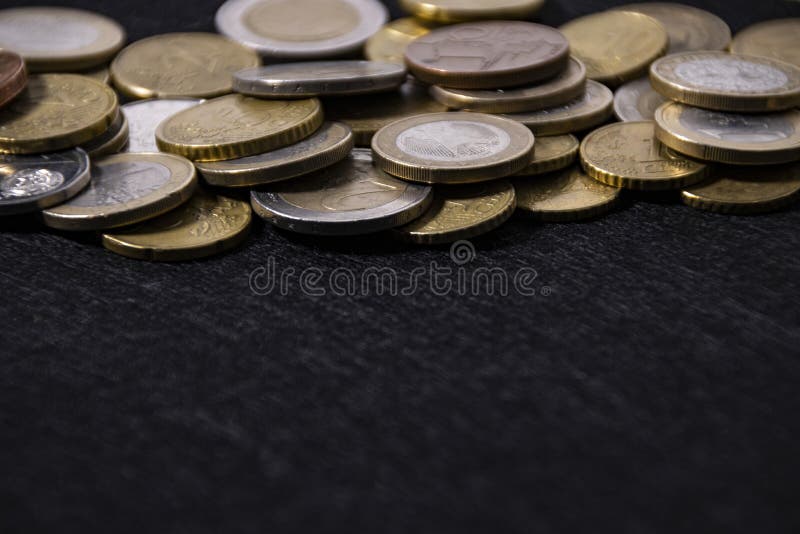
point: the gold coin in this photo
(205, 225)
(551, 154)
(774, 38)
(236, 126)
(111, 141)
(626, 154)
(746, 190)
(102, 75)
(450, 11)
(564, 196)
(390, 42)
(56, 111)
(461, 212)
(199, 65)
(616, 46)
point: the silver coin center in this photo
(731, 74)
(30, 182)
(119, 183)
(144, 118)
(453, 141)
(35, 33)
(737, 128)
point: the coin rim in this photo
(111, 141)
(16, 80)
(736, 47)
(618, 98)
(554, 163)
(451, 15)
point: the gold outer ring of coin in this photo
(434, 11)
(13, 76)
(390, 42)
(552, 153)
(111, 141)
(775, 38)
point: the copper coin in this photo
(488, 55)
(13, 77)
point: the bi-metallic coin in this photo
(637, 101)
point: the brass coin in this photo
(235, 126)
(488, 55)
(199, 65)
(564, 196)
(390, 42)
(126, 189)
(566, 86)
(742, 139)
(450, 11)
(616, 46)
(13, 76)
(207, 224)
(551, 154)
(453, 148)
(56, 111)
(637, 101)
(461, 212)
(774, 38)
(111, 141)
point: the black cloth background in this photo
(651, 385)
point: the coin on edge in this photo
(390, 42)
(32, 183)
(448, 12)
(552, 153)
(453, 148)
(111, 141)
(13, 76)
(126, 189)
(637, 101)
(144, 116)
(774, 38)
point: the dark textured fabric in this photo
(649, 385)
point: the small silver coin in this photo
(637, 101)
(144, 116)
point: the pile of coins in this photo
(462, 114)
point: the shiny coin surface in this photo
(13, 76)
(743, 139)
(32, 183)
(461, 212)
(689, 28)
(593, 108)
(205, 225)
(328, 145)
(111, 141)
(390, 42)
(566, 86)
(564, 196)
(727, 82)
(488, 55)
(55, 112)
(126, 189)
(453, 148)
(319, 78)
(301, 29)
(144, 116)
(616, 46)
(450, 11)
(352, 197)
(774, 38)
(637, 101)
(199, 65)
(552, 153)
(235, 126)
(59, 38)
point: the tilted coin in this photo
(301, 29)
(59, 38)
(235, 126)
(111, 141)
(144, 116)
(101, 75)
(738, 138)
(390, 42)
(199, 65)
(13, 76)
(488, 55)
(328, 145)
(450, 11)
(616, 46)
(205, 225)
(453, 148)
(551, 154)
(627, 154)
(32, 183)
(55, 112)
(774, 38)
(566, 86)
(637, 101)
(352, 197)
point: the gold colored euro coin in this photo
(390, 42)
(111, 141)
(450, 11)
(777, 39)
(551, 154)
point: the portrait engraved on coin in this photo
(731, 74)
(453, 141)
(29, 182)
(119, 183)
(736, 127)
(288, 20)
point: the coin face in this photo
(776, 39)
(199, 65)
(350, 198)
(689, 28)
(301, 29)
(616, 46)
(552, 153)
(144, 116)
(390, 42)
(564, 196)
(637, 101)
(450, 11)
(488, 55)
(111, 141)
(58, 38)
(32, 183)
(13, 76)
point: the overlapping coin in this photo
(448, 11)
(390, 42)
(773, 38)
(637, 101)
(13, 76)
(144, 116)
(111, 141)
(551, 154)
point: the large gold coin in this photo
(616, 46)
(390, 42)
(236, 126)
(56, 111)
(552, 153)
(450, 11)
(777, 39)
(199, 65)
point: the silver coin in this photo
(352, 197)
(689, 28)
(637, 101)
(33, 183)
(301, 29)
(144, 116)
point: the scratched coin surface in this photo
(689, 28)
(111, 141)
(488, 55)
(774, 38)
(13, 76)
(450, 11)
(552, 153)
(235, 126)
(144, 116)
(352, 197)
(199, 65)
(126, 189)
(637, 101)
(390, 42)
(301, 29)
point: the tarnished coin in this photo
(144, 116)
(301, 29)
(566, 86)
(328, 145)
(207, 224)
(461, 212)
(126, 189)
(552, 153)
(774, 38)
(450, 11)
(637, 101)
(352, 197)
(235, 126)
(32, 183)
(488, 55)
(199, 65)
(593, 108)
(616, 46)
(390, 42)
(13, 76)
(453, 148)
(742, 139)
(59, 38)
(564, 196)
(111, 141)
(55, 112)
